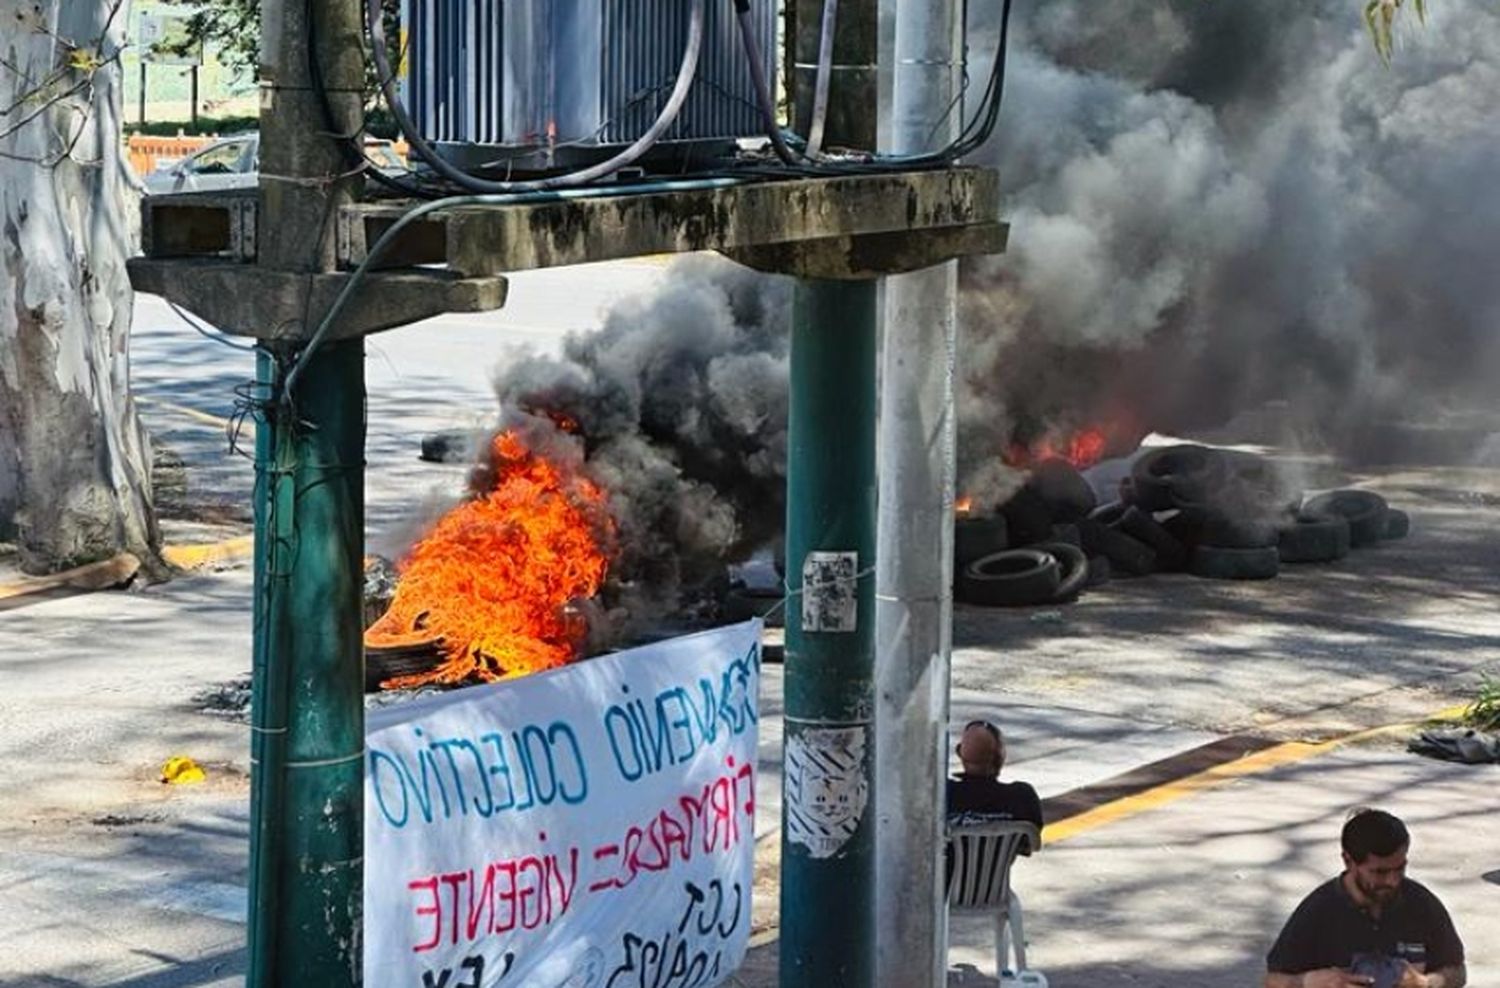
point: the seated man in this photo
(978, 789)
(1371, 925)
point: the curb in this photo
(209, 554)
(94, 576)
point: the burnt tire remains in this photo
(1364, 510)
(1314, 539)
(1014, 578)
(1397, 524)
(1218, 563)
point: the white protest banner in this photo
(588, 827)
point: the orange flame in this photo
(963, 505)
(1082, 449)
(495, 577)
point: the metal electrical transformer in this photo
(512, 86)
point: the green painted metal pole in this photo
(307, 776)
(307, 826)
(828, 839)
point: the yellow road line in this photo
(1287, 753)
(210, 554)
(192, 413)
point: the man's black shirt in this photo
(990, 797)
(1330, 930)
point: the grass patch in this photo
(1484, 713)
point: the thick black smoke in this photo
(1214, 206)
(680, 399)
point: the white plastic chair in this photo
(979, 881)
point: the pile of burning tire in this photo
(1218, 514)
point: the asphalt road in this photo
(112, 879)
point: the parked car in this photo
(234, 163)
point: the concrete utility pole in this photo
(914, 578)
(828, 841)
(306, 864)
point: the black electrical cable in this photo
(968, 140)
(762, 87)
(354, 154)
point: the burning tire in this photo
(1397, 524)
(1169, 476)
(1063, 489)
(1125, 554)
(1014, 578)
(1171, 555)
(1314, 539)
(1219, 563)
(975, 538)
(1364, 510)
(1073, 569)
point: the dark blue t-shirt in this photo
(1329, 930)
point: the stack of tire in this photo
(1219, 514)
(1229, 515)
(1030, 552)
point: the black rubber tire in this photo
(1184, 526)
(1014, 578)
(1365, 511)
(1073, 569)
(1066, 493)
(1164, 477)
(1171, 555)
(1127, 556)
(1220, 563)
(1239, 532)
(1068, 534)
(975, 538)
(1108, 514)
(1028, 519)
(1397, 524)
(1099, 571)
(449, 447)
(1314, 539)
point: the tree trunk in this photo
(74, 469)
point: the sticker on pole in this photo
(586, 827)
(826, 787)
(830, 591)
